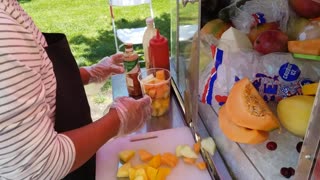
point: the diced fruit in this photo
(163, 172)
(201, 165)
(271, 41)
(209, 145)
(310, 89)
(161, 75)
(187, 151)
(196, 147)
(294, 113)
(141, 166)
(139, 178)
(155, 162)
(144, 155)
(141, 174)
(132, 173)
(152, 173)
(310, 46)
(126, 155)
(189, 160)
(123, 171)
(255, 32)
(169, 159)
(237, 133)
(178, 150)
(248, 109)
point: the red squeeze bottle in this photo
(159, 52)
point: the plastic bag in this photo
(275, 75)
(257, 12)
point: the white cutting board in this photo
(158, 142)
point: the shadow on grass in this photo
(104, 44)
(23, 1)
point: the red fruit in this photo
(306, 8)
(271, 146)
(271, 41)
(255, 31)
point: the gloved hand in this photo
(105, 68)
(132, 113)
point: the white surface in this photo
(166, 141)
(236, 39)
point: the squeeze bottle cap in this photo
(158, 39)
(149, 20)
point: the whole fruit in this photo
(306, 8)
(271, 41)
(255, 31)
(294, 113)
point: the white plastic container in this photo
(148, 34)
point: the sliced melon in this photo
(237, 133)
(248, 109)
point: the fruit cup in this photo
(155, 82)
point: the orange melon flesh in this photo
(237, 133)
(248, 109)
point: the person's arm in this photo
(88, 139)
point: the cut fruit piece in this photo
(161, 75)
(310, 89)
(155, 162)
(196, 147)
(209, 145)
(294, 113)
(169, 159)
(163, 172)
(123, 171)
(201, 165)
(187, 151)
(152, 173)
(189, 160)
(144, 155)
(178, 150)
(310, 46)
(237, 133)
(132, 173)
(126, 155)
(141, 174)
(248, 109)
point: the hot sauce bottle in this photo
(132, 70)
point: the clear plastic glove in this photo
(132, 113)
(105, 68)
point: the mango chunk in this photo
(152, 173)
(163, 172)
(189, 160)
(169, 159)
(201, 165)
(161, 75)
(155, 162)
(144, 155)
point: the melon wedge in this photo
(248, 109)
(237, 133)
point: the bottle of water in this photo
(148, 34)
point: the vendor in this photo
(45, 123)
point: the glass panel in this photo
(184, 27)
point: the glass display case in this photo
(232, 160)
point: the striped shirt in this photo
(30, 148)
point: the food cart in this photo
(189, 119)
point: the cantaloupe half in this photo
(248, 109)
(237, 133)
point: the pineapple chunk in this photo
(152, 173)
(123, 171)
(187, 151)
(209, 145)
(126, 155)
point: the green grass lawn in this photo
(87, 24)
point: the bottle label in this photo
(131, 66)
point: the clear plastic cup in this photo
(155, 82)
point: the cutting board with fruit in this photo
(158, 143)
